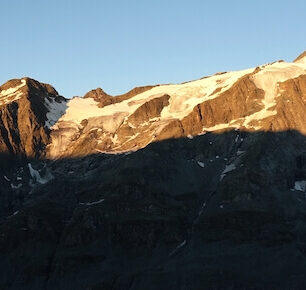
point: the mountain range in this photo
(198, 185)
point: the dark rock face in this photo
(215, 211)
(149, 110)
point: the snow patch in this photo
(92, 203)
(10, 95)
(300, 185)
(55, 111)
(228, 168)
(6, 178)
(15, 213)
(201, 164)
(218, 127)
(16, 186)
(36, 175)
(178, 247)
(131, 125)
(114, 139)
(11, 91)
(268, 79)
(201, 209)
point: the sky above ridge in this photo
(78, 45)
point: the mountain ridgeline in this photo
(199, 185)
(37, 122)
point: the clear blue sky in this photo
(119, 44)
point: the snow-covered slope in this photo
(88, 127)
(183, 98)
(55, 109)
(268, 79)
(268, 97)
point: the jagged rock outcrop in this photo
(105, 100)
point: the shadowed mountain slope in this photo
(216, 211)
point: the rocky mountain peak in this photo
(104, 99)
(15, 89)
(28, 109)
(40, 88)
(301, 58)
(100, 97)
